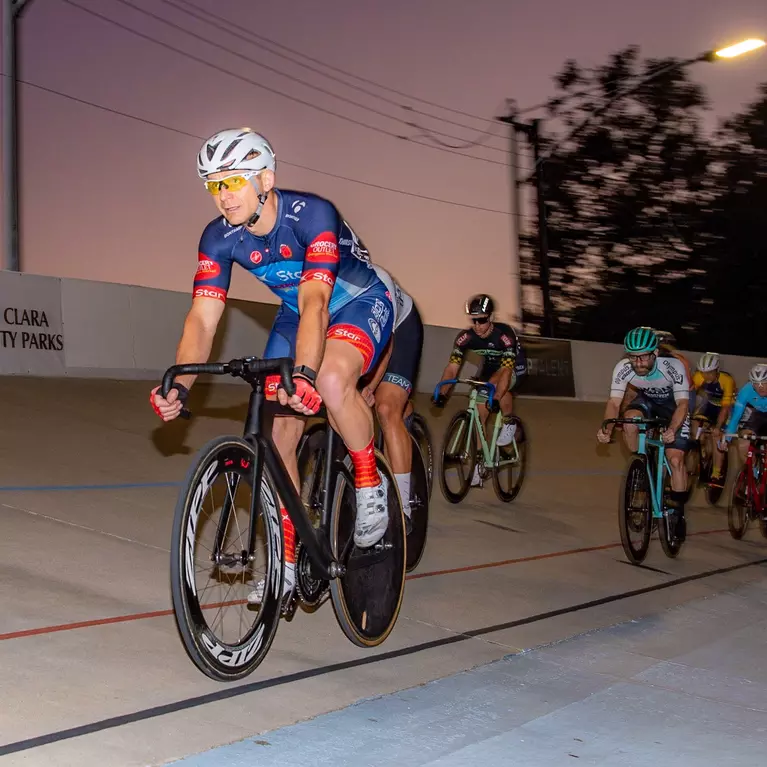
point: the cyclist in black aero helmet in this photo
(497, 344)
(663, 392)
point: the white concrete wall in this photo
(123, 331)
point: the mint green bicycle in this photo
(466, 446)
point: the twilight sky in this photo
(106, 197)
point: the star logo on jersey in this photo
(256, 257)
(285, 251)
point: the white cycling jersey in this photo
(666, 381)
(401, 301)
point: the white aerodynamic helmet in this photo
(708, 362)
(235, 149)
(758, 373)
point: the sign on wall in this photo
(549, 368)
(31, 329)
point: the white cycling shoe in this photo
(372, 514)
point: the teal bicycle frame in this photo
(481, 392)
(656, 474)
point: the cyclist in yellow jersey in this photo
(715, 395)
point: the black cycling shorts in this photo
(405, 360)
(755, 421)
(664, 409)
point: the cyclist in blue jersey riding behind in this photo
(330, 320)
(389, 386)
(749, 413)
(662, 391)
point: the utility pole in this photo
(11, 10)
(532, 133)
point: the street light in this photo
(531, 130)
(736, 50)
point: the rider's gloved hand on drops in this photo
(306, 400)
(170, 407)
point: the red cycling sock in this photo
(365, 471)
(289, 533)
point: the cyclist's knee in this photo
(675, 458)
(389, 411)
(336, 383)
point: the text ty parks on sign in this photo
(27, 329)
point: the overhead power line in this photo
(188, 134)
(269, 89)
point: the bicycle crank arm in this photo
(361, 558)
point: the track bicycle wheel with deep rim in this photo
(635, 510)
(422, 433)
(368, 597)
(419, 508)
(211, 570)
(459, 454)
(508, 479)
(740, 506)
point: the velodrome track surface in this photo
(94, 672)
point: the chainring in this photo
(310, 588)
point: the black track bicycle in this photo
(227, 536)
(312, 452)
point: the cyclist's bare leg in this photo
(631, 431)
(678, 469)
(743, 446)
(337, 384)
(391, 402)
(286, 434)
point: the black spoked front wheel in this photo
(635, 510)
(368, 597)
(510, 465)
(220, 550)
(459, 455)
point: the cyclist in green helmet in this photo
(662, 391)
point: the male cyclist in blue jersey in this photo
(749, 413)
(334, 319)
(662, 392)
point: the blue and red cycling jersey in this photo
(310, 241)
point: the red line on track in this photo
(165, 613)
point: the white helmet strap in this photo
(254, 218)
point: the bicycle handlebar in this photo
(636, 421)
(237, 368)
(748, 437)
(471, 382)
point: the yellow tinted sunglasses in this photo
(232, 183)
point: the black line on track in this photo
(265, 684)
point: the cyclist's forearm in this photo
(724, 414)
(310, 336)
(195, 346)
(679, 415)
(612, 410)
(451, 371)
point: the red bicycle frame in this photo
(755, 490)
